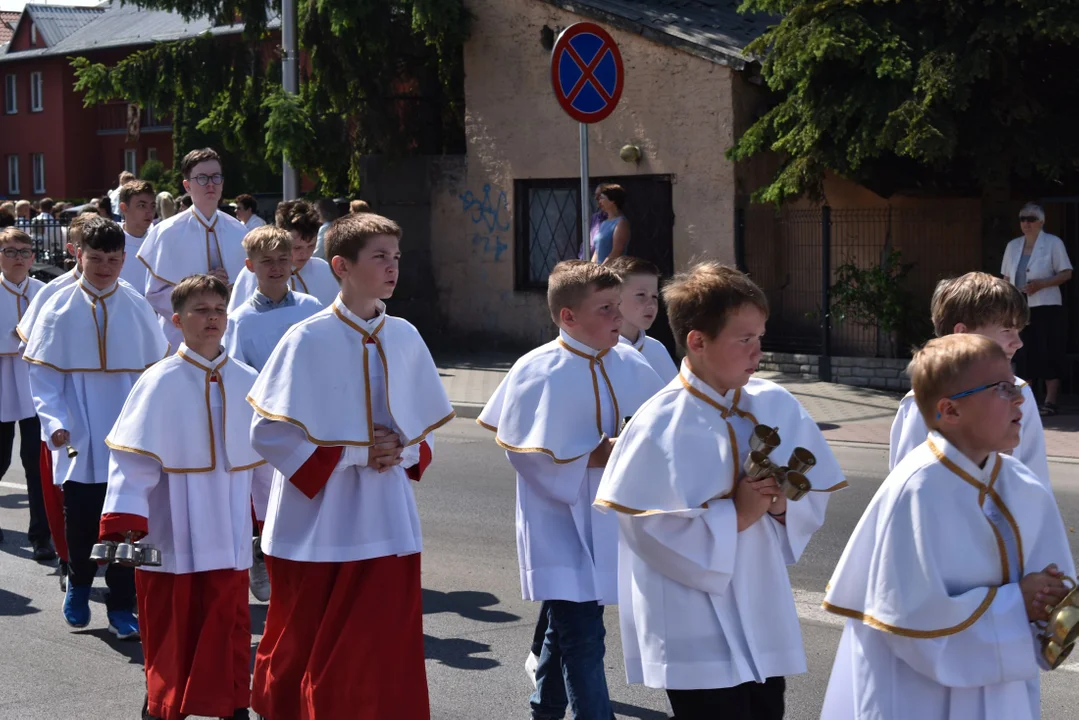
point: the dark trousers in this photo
(540, 631)
(748, 701)
(29, 449)
(82, 516)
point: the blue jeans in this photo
(571, 668)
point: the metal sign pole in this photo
(585, 206)
(290, 80)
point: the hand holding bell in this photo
(1060, 631)
(790, 477)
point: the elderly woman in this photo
(1037, 263)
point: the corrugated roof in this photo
(712, 29)
(124, 26)
(56, 22)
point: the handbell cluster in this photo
(792, 476)
(127, 553)
(1059, 634)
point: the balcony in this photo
(112, 119)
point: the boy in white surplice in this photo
(705, 603)
(958, 553)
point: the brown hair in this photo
(14, 235)
(196, 285)
(349, 234)
(977, 300)
(267, 238)
(74, 229)
(136, 187)
(704, 298)
(195, 157)
(937, 369)
(571, 282)
(614, 193)
(126, 176)
(300, 216)
(359, 206)
(46, 205)
(626, 265)
(247, 202)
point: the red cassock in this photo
(343, 640)
(54, 502)
(196, 635)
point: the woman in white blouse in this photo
(1037, 263)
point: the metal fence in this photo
(49, 236)
(787, 252)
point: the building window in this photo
(39, 173)
(11, 96)
(547, 228)
(151, 154)
(131, 161)
(33, 34)
(35, 92)
(13, 175)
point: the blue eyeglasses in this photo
(1005, 391)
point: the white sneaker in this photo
(531, 665)
(260, 579)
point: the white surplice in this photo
(134, 271)
(655, 353)
(86, 351)
(182, 458)
(702, 605)
(909, 431)
(188, 243)
(331, 379)
(316, 279)
(929, 582)
(550, 412)
(16, 402)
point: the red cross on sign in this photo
(586, 72)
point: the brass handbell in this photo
(1060, 633)
(72, 453)
(792, 476)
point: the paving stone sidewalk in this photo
(844, 413)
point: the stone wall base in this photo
(878, 373)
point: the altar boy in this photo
(92, 340)
(994, 308)
(640, 305)
(959, 552)
(555, 414)
(705, 603)
(346, 406)
(180, 477)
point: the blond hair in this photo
(571, 281)
(704, 297)
(267, 238)
(193, 285)
(358, 206)
(938, 368)
(977, 300)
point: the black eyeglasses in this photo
(204, 180)
(1029, 218)
(18, 253)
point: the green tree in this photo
(379, 76)
(944, 94)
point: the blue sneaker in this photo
(123, 624)
(77, 606)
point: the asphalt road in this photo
(477, 628)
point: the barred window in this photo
(548, 228)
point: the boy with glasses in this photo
(16, 403)
(960, 552)
(200, 240)
(989, 306)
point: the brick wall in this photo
(879, 373)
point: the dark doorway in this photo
(1062, 220)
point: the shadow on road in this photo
(470, 604)
(13, 605)
(632, 711)
(458, 653)
(131, 649)
(14, 501)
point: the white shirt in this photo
(909, 431)
(199, 520)
(254, 221)
(16, 401)
(1048, 257)
(566, 549)
(134, 272)
(655, 353)
(937, 628)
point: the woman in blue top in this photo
(612, 236)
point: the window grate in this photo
(548, 229)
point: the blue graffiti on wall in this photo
(482, 211)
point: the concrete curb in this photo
(467, 410)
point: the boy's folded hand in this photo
(1042, 591)
(599, 457)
